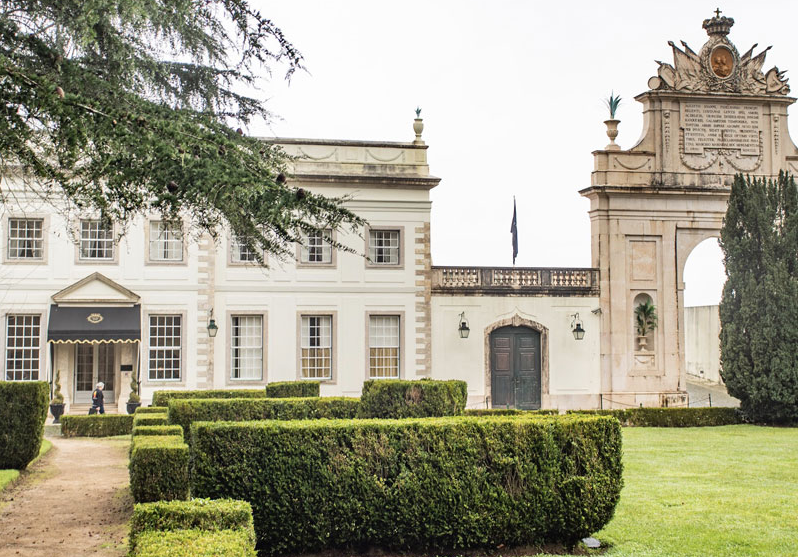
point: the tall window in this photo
(247, 346)
(384, 346)
(96, 240)
(165, 346)
(166, 242)
(384, 247)
(314, 247)
(22, 347)
(316, 347)
(241, 252)
(25, 239)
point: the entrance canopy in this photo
(94, 324)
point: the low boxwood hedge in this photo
(507, 412)
(162, 398)
(152, 409)
(157, 430)
(150, 419)
(195, 514)
(292, 389)
(397, 398)
(23, 410)
(158, 468)
(438, 483)
(185, 412)
(98, 425)
(672, 417)
(195, 543)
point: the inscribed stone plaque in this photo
(644, 266)
(720, 126)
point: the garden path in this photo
(74, 501)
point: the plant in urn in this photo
(613, 102)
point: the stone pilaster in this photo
(206, 278)
(423, 321)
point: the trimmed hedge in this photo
(437, 483)
(162, 398)
(23, 410)
(292, 389)
(196, 514)
(508, 412)
(98, 425)
(672, 417)
(158, 468)
(152, 409)
(158, 430)
(150, 419)
(397, 398)
(185, 412)
(195, 543)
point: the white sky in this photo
(511, 94)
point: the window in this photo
(25, 239)
(165, 347)
(316, 347)
(246, 340)
(96, 240)
(166, 242)
(241, 252)
(384, 247)
(22, 347)
(383, 346)
(316, 248)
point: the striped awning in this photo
(69, 324)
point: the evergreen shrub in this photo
(158, 468)
(97, 425)
(292, 389)
(162, 398)
(152, 409)
(447, 483)
(195, 514)
(150, 419)
(398, 398)
(508, 412)
(671, 417)
(185, 412)
(23, 410)
(194, 543)
(157, 430)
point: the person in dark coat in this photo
(97, 405)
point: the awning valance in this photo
(94, 324)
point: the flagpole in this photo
(514, 232)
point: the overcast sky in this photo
(511, 94)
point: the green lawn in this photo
(8, 476)
(707, 491)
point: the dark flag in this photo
(514, 232)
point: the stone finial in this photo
(418, 127)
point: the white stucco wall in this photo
(702, 343)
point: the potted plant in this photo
(57, 402)
(645, 322)
(134, 400)
(612, 103)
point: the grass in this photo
(720, 491)
(8, 476)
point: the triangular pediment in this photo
(95, 289)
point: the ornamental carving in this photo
(718, 67)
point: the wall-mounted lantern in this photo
(576, 327)
(212, 328)
(463, 328)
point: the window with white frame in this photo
(165, 347)
(316, 247)
(25, 239)
(246, 341)
(96, 240)
(384, 247)
(22, 347)
(316, 347)
(166, 242)
(241, 252)
(384, 346)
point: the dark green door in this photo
(515, 368)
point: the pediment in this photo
(95, 289)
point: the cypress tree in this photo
(759, 309)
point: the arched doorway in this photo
(515, 368)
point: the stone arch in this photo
(518, 321)
(687, 239)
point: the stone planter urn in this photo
(418, 127)
(612, 133)
(131, 407)
(57, 410)
(642, 342)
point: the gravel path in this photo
(74, 501)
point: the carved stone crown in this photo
(718, 25)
